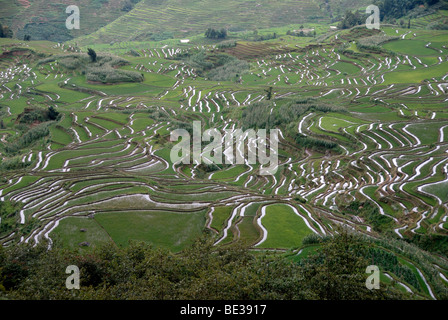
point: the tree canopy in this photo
(202, 271)
(216, 34)
(92, 54)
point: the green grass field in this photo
(285, 228)
(171, 230)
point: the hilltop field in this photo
(363, 120)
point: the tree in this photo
(350, 20)
(127, 7)
(268, 93)
(216, 34)
(223, 33)
(391, 9)
(92, 54)
(6, 32)
(52, 113)
(1, 31)
(337, 272)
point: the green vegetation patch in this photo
(103, 69)
(285, 228)
(171, 230)
(80, 232)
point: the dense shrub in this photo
(226, 44)
(112, 76)
(314, 143)
(30, 115)
(259, 115)
(202, 271)
(431, 242)
(229, 70)
(28, 138)
(369, 211)
(218, 67)
(388, 261)
(351, 19)
(104, 69)
(212, 33)
(374, 42)
(13, 164)
(438, 25)
(395, 9)
(312, 239)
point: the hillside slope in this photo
(176, 18)
(45, 20)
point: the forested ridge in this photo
(201, 272)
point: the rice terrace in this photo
(88, 177)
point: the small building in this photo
(333, 28)
(185, 41)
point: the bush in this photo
(102, 70)
(375, 41)
(226, 44)
(13, 164)
(216, 34)
(314, 143)
(217, 67)
(28, 138)
(369, 211)
(438, 25)
(201, 271)
(31, 115)
(134, 53)
(9, 213)
(388, 261)
(229, 70)
(300, 199)
(312, 239)
(99, 74)
(259, 115)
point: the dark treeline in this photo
(200, 272)
(388, 261)
(5, 32)
(390, 10)
(212, 33)
(394, 9)
(30, 115)
(352, 19)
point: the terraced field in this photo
(105, 165)
(44, 20)
(185, 18)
